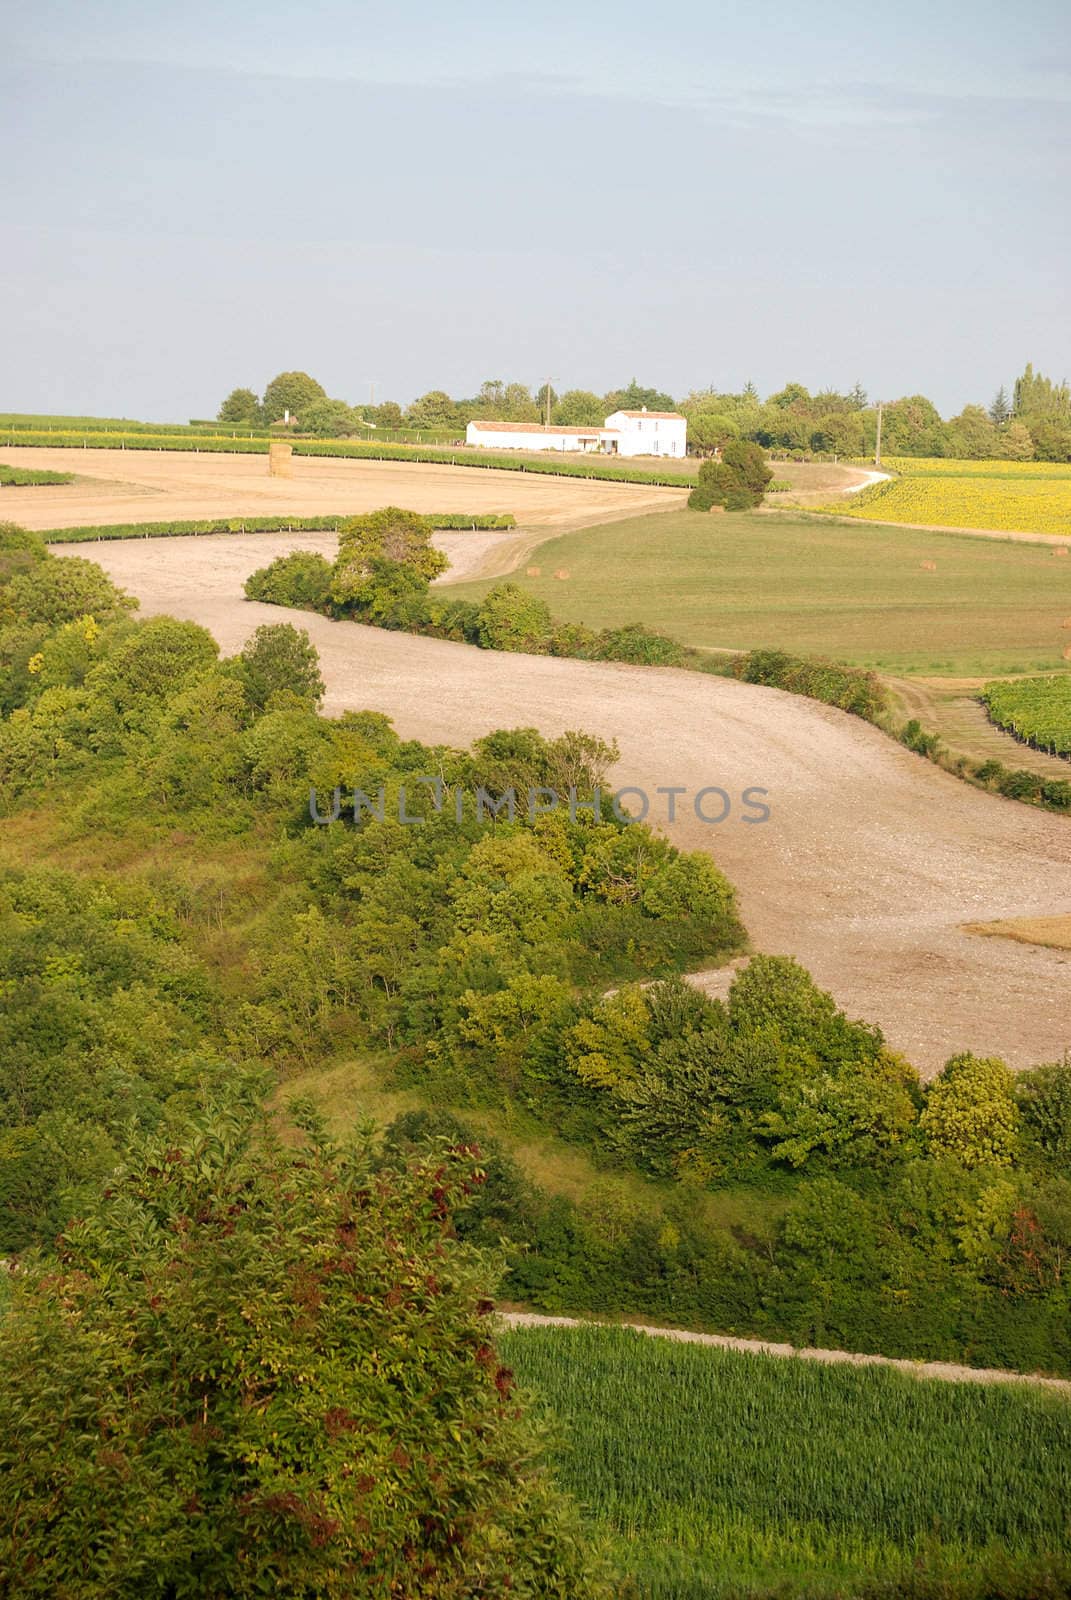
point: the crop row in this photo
(323, 522)
(1035, 710)
(225, 445)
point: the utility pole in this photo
(877, 441)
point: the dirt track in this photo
(946, 1371)
(872, 858)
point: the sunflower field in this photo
(1009, 496)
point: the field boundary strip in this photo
(321, 522)
(941, 1371)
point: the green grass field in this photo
(718, 1474)
(855, 591)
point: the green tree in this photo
(738, 481)
(1044, 1100)
(266, 1370)
(634, 397)
(290, 392)
(1000, 411)
(971, 1113)
(710, 430)
(241, 405)
(793, 397)
(63, 588)
(391, 534)
(433, 410)
(1037, 397)
(279, 658)
(579, 408)
(387, 415)
(839, 433)
(512, 619)
(329, 419)
(1014, 442)
(972, 435)
(301, 579)
(1052, 439)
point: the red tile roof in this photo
(537, 427)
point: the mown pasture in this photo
(897, 599)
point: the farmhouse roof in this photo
(538, 427)
(670, 416)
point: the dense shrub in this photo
(737, 482)
(851, 688)
(21, 477)
(302, 580)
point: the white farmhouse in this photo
(648, 433)
(627, 433)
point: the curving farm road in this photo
(870, 862)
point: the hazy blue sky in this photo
(425, 196)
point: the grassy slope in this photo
(720, 1474)
(854, 591)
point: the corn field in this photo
(716, 1473)
(1011, 496)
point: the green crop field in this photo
(854, 591)
(715, 1473)
(1036, 710)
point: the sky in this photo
(694, 194)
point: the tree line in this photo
(1029, 422)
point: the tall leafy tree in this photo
(633, 397)
(261, 1370)
(241, 405)
(293, 392)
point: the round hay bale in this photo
(1061, 550)
(929, 566)
(562, 572)
(1067, 653)
(1066, 623)
(532, 572)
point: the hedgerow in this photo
(853, 689)
(24, 477)
(322, 522)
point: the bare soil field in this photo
(872, 859)
(151, 485)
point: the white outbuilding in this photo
(626, 433)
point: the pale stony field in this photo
(869, 865)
